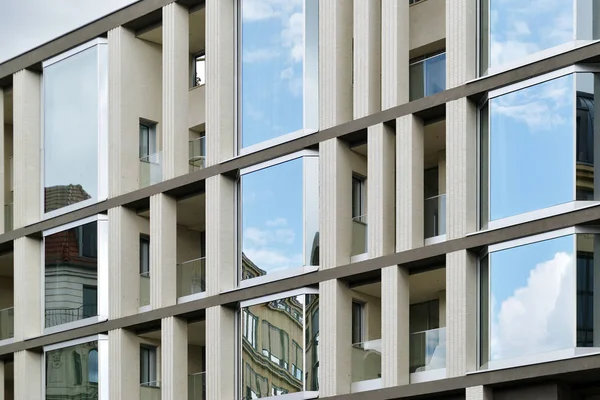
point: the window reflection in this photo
(72, 372)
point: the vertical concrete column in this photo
(381, 203)
(395, 308)
(221, 356)
(461, 168)
(124, 361)
(28, 289)
(461, 43)
(28, 375)
(395, 45)
(123, 266)
(175, 80)
(174, 359)
(479, 393)
(3, 176)
(335, 347)
(409, 182)
(163, 251)
(461, 313)
(335, 62)
(367, 57)
(221, 82)
(442, 171)
(123, 166)
(27, 103)
(2, 376)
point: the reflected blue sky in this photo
(521, 28)
(272, 69)
(272, 216)
(532, 298)
(531, 148)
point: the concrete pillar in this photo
(124, 361)
(461, 313)
(163, 251)
(175, 80)
(442, 171)
(124, 261)
(409, 182)
(395, 47)
(28, 289)
(367, 57)
(221, 84)
(221, 355)
(461, 168)
(381, 204)
(174, 359)
(335, 62)
(27, 124)
(28, 375)
(335, 340)
(335, 179)
(2, 376)
(123, 116)
(461, 43)
(395, 308)
(479, 393)
(3, 176)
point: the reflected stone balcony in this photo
(150, 169)
(144, 289)
(428, 355)
(359, 235)
(191, 277)
(7, 319)
(435, 216)
(150, 390)
(197, 154)
(197, 386)
(366, 365)
(8, 217)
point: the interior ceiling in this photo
(424, 286)
(196, 334)
(190, 213)
(6, 264)
(196, 32)
(8, 107)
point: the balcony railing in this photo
(150, 169)
(144, 289)
(59, 316)
(197, 151)
(359, 235)
(8, 217)
(435, 216)
(197, 386)
(191, 277)
(150, 390)
(366, 360)
(428, 350)
(428, 76)
(7, 323)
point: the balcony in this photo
(435, 216)
(427, 76)
(8, 217)
(144, 289)
(197, 386)
(428, 355)
(150, 390)
(191, 277)
(150, 169)
(197, 154)
(366, 365)
(7, 319)
(359, 235)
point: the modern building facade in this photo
(337, 199)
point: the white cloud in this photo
(276, 222)
(538, 317)
(273, 260)
(293, 36)
(260, 55)
(256, 10)
(521, 28)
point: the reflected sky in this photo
(521, 28)
(531, 148)
(272, 216)
(532, 298)
(272, 69)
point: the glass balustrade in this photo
(197, 153)
(359, 235)
(428, 350)
(191, 277)
(197, 386)
(366, 360)
(150, 390)
(435, 216)
(144, 289)
(7, 318)
(150, 169)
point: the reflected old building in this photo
(72, 372)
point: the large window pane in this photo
(74, 110)
(72, 372)
(279, 63)
(71, 275)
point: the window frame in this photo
(149, 356)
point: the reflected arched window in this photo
(93, 366)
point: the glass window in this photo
(148, 366)
(279, 69)
(199, 69)
(358, 197)
(357, 322)
(147, 140)
(279, 207)
(75, 117)
(72, 372)
(144, 255)
(427, 76)
(71, 275)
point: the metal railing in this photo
(197, 386)
(150, 169)
(191, 277)
(197, 153)
(144, 289)
(8, 217)
(366, 360)
(428, 350)
(7, 323)
(150, 390)
(359, 235)
(435, 216)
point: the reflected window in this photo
(275, 344)
(297, 360)
(93, 366)
(74, 122)
(250, 328)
